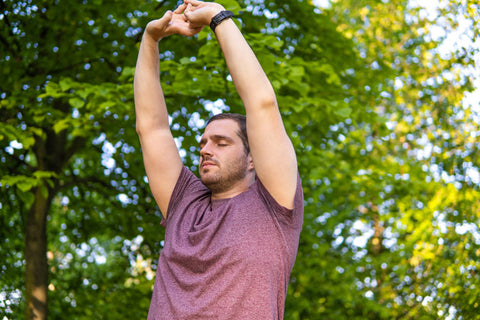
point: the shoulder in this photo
(188, 180)
(188, 188)
(277, 207)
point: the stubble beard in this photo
(226, 176)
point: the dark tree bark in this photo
(36, 267)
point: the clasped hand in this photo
(187, 20)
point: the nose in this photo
(205, 150)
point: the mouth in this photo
(207, 164)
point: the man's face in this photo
(223, 161)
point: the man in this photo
(231, 237)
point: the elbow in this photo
(145, 128)
(268, 102)
(262, 102)
(145, 123)
(142, 127)
(139, 129)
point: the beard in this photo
(224, 177)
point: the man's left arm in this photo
(271, 149)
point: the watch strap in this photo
(219, 17)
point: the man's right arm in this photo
(160, 155)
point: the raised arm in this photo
(160, 155)
(271, 149)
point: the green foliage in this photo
(386, 151)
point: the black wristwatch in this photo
(219, 17)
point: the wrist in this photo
(151, 34)
(214, 10)
(150, 39)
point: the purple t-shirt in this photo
(225, 259)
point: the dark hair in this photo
(241, 120)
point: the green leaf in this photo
(185, 60)
(65, 84)
(44, 174)
(76, 102)
(23, 183)
(343, 112)
(61, 125)
(231, 5)
(53, 90)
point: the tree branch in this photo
(18, 162)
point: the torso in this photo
(225, 259)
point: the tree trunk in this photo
(51, 156)
(377, 239)
(36, 270)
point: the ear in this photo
(250, 167)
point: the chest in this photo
(243, 232)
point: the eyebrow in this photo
(216, 137)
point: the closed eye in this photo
(219, 140)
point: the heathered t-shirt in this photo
(225, 259)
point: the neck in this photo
(234, 190)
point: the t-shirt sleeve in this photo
(187, 182)
(288, 216)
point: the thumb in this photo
(165, 20)
(167, 16)
(160, 23)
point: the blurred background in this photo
(379, 97)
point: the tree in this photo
(64, 115)
(410, 193)
(77, 215)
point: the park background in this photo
(378, 97)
